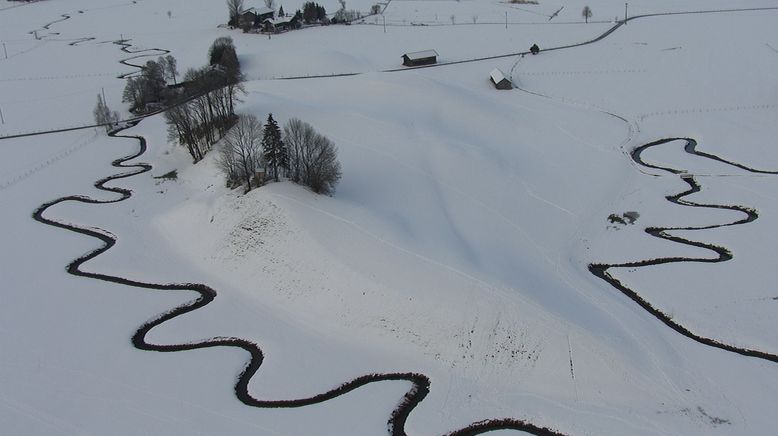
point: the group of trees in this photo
(313, 158)
(150, 87)
(206, 110)
(223, 57)
(143, 92)
(300, 153)
(343, 15)
(314, 13)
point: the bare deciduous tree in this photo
(103, 115)
(586, 13)
(296, 135)
(235, 8)
(241, 153)
(322, 169)
(182, 127)
(203, 111)
(169, 67)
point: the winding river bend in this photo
(396, 422)
(421, 384)
(205, 295)
(722, 254)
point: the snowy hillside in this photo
(467, 250)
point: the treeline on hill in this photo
(150, 90)
(346, 16)
(201, 109)
(314, 13)
(251, 153)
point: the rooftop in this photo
(259, 11)
(421, 54)
(497, 75)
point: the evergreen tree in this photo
(273, 147)
(281, 12)
(222, 54)
(313, 12)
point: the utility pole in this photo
(384, 17)
(2, 120)
(5, 51)
(506, 20)
(625, 12)
(103, 91)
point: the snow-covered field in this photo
(457, 244)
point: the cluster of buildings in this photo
(264, 19)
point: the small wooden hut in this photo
(415, 59)
(499, 80)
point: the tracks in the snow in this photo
(722, 254)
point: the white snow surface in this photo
(456, 244)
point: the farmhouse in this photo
(426, 57)
(253, 17)
(499, 80)
(281, 24)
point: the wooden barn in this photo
(426, 57)
(499, 80)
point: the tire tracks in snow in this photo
(722, 254)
